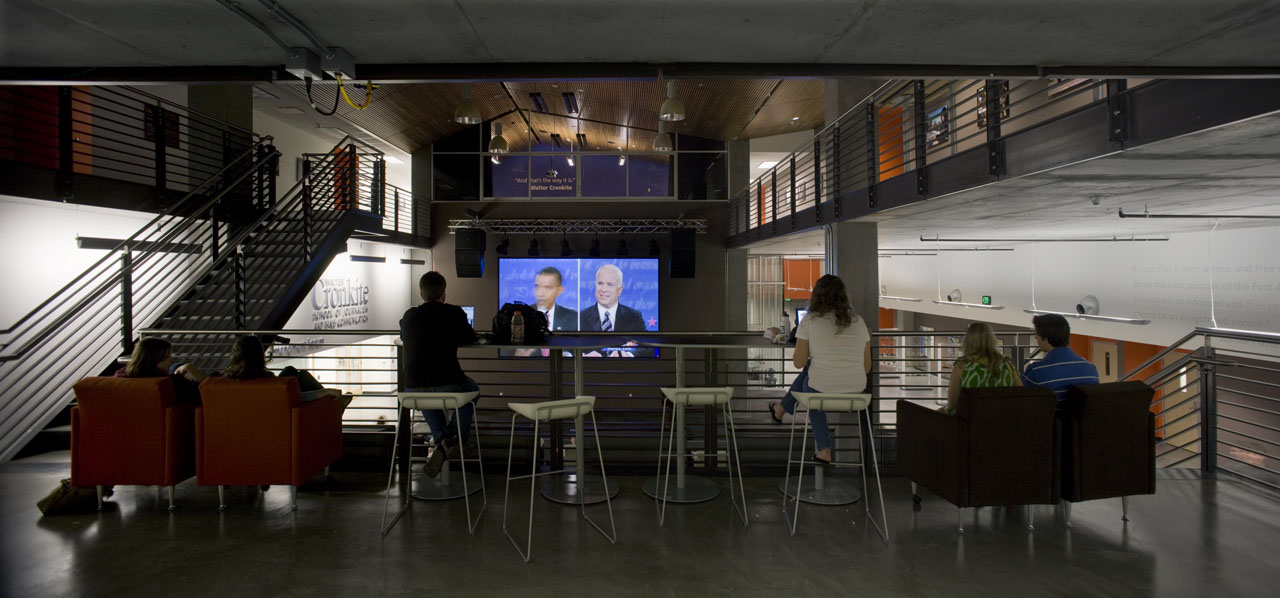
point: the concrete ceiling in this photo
(1136, 33)
(1233, 169)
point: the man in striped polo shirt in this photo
(1060, 367)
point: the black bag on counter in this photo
(536, 329)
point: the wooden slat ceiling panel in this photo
(412, 116)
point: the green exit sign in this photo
(986, 299)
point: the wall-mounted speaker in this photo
(468, 252)
(683, 253)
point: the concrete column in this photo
(843, 94)
(858, 265)
(739, 166)
(227, 103)
(735, 311)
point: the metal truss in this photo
(580, 227)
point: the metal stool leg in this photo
(804, 442)
(884, 517)
(604, 479)
(222, 498)
(484, 497)
(731, 443)
(1124, 508)
(671, 438)
(171, 490)
(506, 494)
(657, 470)
(391, 471)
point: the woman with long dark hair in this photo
(153, 358)
(831, 341)
(249, 360)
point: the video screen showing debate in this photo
(617, 295)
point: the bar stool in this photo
(833, 403)
(444, 487)
(681, 398)
(545, 412)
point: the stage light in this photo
(654, 251)
(595, 248)
(565, 250)
(533, 248)
(502, 247)
(622, 248)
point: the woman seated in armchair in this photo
(153, 358)
(981, 366)
(249, 361)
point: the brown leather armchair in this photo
(1001, 447)
(1108, 443)
(259, 432)
(131, 431)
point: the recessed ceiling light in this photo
(767, 165)
(289, 110)
(795, 118)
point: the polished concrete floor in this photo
(1193, 538)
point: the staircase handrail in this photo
(1207, 332)
(115, 279)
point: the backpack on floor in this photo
(69, 500)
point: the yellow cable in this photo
(368, 94)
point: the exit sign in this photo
(986, 299)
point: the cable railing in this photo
(899, 131)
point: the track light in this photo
(622, 248)
(570, 158)
(466, 113)
(954, 296)
(662, 142)
(1079, 316)
(495, 159)
(654, 251)
(595, 248)
(533, 248)
(503, 246)
(672, 109)
(565, 250)
(622, 160)
(1087, 306)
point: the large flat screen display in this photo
(588, 294)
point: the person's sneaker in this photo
(454, 451)
(434, 463)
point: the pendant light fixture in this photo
(662, 142)
(466, 113)
(497, 143)
(672, 109)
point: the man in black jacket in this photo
(548, 284)
(607, 314)
(431, 333)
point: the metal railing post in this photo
(66, 144)
(273, 171)
(353, 179)
(241, 289)
(995, 146)
(792, 213)
(817, 178)
(379, 187)
(126, 299)
(773, 205)
(306, 211)
(922, 128)
(837, 189)
(1208, 412)
(1118, 110)
(159, 133)
(395, 200)
(873, 157)
(213, 236)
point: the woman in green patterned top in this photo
(982, 366)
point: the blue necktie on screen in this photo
(606, 325)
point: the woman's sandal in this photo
(774, 413)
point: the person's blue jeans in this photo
(817, 417)
(438, 419)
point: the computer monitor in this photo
(800, 315)
(471, 314)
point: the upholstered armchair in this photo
(260, 432)
(1108, 443)
(1001, 447)
(131, 431)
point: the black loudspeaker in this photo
(683, 253)
(468, 252)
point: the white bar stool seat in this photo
(448, 485)
(833, 403)
(661, 489)
(540, 413)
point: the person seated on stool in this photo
(829, 340)
(431, 334)
(153, 358)
(249, 361)
(981, 366)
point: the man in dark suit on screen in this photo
(606, 314)
(547, 286)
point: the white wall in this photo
(383, 290)
(293, 142)
(38, 239)
(1167, 282)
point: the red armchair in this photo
(131, 431)
(258, 432)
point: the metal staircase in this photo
(227, 255)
